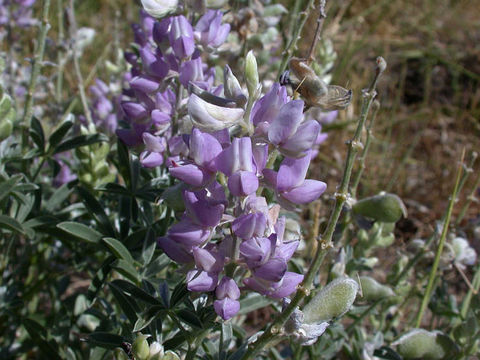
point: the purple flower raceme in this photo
(209, 30)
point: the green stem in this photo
(37, 66)
(60, 54)
(474, 289)
(468, 202)
(76, 64)
(292, 44)
(325, 242)
(361, 159)
(433, 272)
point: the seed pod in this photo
(332, 301)
(383, 207)
(423, 344)
(372, 290)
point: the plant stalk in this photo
(433, 272)
(36, 67)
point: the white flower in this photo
(160, 8)
(464, 253)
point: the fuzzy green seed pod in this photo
(332, 301)
(383, 207)
(251, 74)
(428, 345)
(372, 290)
(140, 347)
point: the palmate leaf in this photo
(126, 269)
(6, 222)
(59, 133)
(118, 249)
(37, 134)
(7, 186)
(128, 305)
(96, 209)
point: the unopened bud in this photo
(140, 347)
(251, 74)
(170, 355)
(381, 64)
(332, 301)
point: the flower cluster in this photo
(16, 13)
(217, 141)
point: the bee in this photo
(314, 90)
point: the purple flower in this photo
(288, 133)
(227, 293)
(290, 184)
(204, 148)
(268, 107)
(236, 161)
(201, 281)
(278, 290)
(209, 30)
(181, 37)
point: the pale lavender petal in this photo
(227, 288)
(188, 233)
(243, 183)
(207, 260)
(201, 281)
(201, 211)
(192, 174)
(273, 270)
(151, 159)
(286, 250)
(267, 108)
(153, 143)
(134, 110)
(309, 191)
(292, 172)
(289, 284)
(144, 83)
(249, 225)
(204, 148)
(302, 140)
(226, 308)
(286, 122)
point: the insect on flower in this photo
(314, 90)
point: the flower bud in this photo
(251, 74)
(140, 347)
(423, 344)
(155, 351)
(372, 290)
(332, 301)
(6, 124)
(383, 207)
(159, 8)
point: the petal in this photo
(192, 174)
(286, 123)
(201, 281)
(309, 191)
(188, 233)
(292, 172)
(144, 83)
(289, 284)
(153, 143)
(243, 183)
(201, 211)
(209, 117)
(227, 288)
(226, 308)
(249, 225)
(302, 140)
(273, 270)
(207, 260)
(174, 250)
(204, 148)
(151, 159)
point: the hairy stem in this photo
(76, 64)
(363, 156)
(37, 66)
(433, 272)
